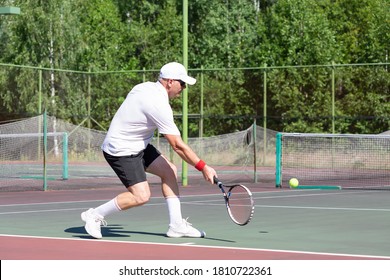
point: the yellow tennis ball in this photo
(293, 182)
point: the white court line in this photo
(59, 210)
(186, 196)
(42, 211)
(204, 203)
(323, 208)
(302, 193)
(197, 246)
(211, 204)
(93, 201)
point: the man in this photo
(128, 150)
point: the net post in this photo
(184, 174)
(201, 109)
(65, 156)
(265, 114)
(333, 98)
(278, 171)
(254, 151)
(45, 150)
(39, 109)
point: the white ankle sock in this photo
(174, 210)
(108, 208)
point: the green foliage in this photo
(364, 93)
(231, 40)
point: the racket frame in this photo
(226, 196)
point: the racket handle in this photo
(216, 181)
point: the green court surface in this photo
(332, 222)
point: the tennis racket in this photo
(239, 202)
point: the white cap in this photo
(176, 71)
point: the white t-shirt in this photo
(145, 109)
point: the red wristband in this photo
(200, 165)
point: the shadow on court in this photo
(117, 231)
(109, 231)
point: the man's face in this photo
(176, 87)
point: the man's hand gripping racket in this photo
(239, 202)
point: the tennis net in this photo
(26, 157)
(345, 160)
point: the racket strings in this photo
(240, 205)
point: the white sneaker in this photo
(185, 229)
(93, 222)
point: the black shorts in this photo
(131, 169)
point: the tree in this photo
(231, 39)
(299, 33)
(362, 29)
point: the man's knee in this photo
(173, 169)
(140, 193)
(142, 198)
